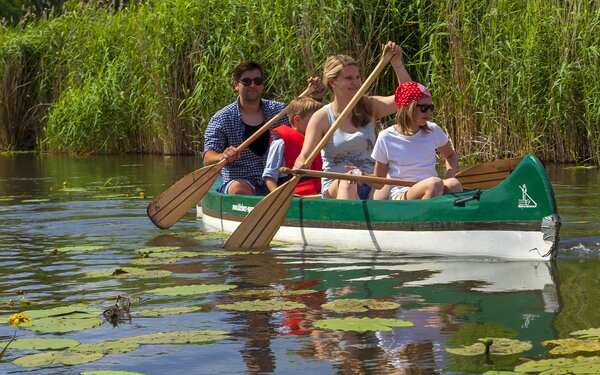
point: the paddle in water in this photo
(260, 225)
(170, 206)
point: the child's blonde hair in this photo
(405, 117)
(302, 107)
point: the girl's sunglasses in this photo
(248, 81)
(426, 107)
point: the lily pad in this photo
(154, 261)
(173, 254)
(572, 346)
(55, 357)
(269, 293)
(162, 311)
(211, 235)
(76, 248)
(500, 346)
(188, 290)
(359, 305)
(361, 324)
(128, 273)
(262, 305)
(41, 344)
(106, 347)
(578, 365)
(62, 311)
(592, 333)
(157, 249)
(179, 337)
(62, 324)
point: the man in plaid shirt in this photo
(234, 123)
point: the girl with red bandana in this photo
(407, 150)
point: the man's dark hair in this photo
(246, 66)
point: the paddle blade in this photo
(487, 175)
(260, 225)
(170, 206)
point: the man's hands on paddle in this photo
(231, 153)
(317, 88)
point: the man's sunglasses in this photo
(248, 81)
(426, 107)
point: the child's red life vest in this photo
(292, 141)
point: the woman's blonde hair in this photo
(362, 113)
(405, 116)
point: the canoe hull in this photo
(515, 220)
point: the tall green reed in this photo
(509, 76)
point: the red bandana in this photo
(409, 92)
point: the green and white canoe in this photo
(516, 219)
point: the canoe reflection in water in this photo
(447, 300)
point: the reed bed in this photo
(508, 76)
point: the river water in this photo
(64, 217)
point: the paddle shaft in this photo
(386, 57)
(268, 124)
(258, 228)
(347, 176)
(170, 206)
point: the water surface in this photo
(57, 202)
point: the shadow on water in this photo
(54, 210)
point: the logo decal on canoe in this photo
(241, 207)
(526, 201)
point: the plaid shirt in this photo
(225, 129)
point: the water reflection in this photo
(451, 302)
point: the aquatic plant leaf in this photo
(358, 305)
(578, 365)
(110, 372)
(572, 345)
(62, 324)
(154, 261)
(38, 343)
(269, 293)
(503, 373)
(172, 254)
(361, 324)
(74, 310)
(55, 357)
(187, 290)
(262, 305)
(35, 200)
(156, 249)
(106, 347)
(76, 248)
(211, 235)
(500, 346)
(587, 333)
(162, 311)
(128, 273)
(179, 337)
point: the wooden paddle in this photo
(260, 225)
(346, 176)
(487, 175)
(170, 206)
(481, 176)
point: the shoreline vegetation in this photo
(512, 77)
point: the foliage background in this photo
(509, 76)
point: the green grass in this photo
(508, 76)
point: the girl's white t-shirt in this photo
(410, 158)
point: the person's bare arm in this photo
(451, 158)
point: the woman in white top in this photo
(407, 150)
(349, 149)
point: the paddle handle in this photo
(346, 176)
(268, 125)
(385, 59)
